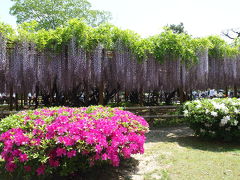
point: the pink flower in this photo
(23, 157)
(60, 152)
(27, 118)
(8, 144)
(9, 158)
(70, 154)
(16, 152)
(37, 132)
(39, 122)
(62, 119)
(98, 148)
(115, 160)
(66, 140)
(126, 152)
(54, 163)
(97, 157)
(40, 170)
(104, 156)
(10, 166)
(35, 142)
(90, 139)
(36, 113)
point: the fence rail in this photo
(150, 107)
(148, 112)
(6, 113)
(152, 113)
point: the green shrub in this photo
(214, 118)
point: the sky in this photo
(147, 17)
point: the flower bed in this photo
(66, 140)
(215, 118)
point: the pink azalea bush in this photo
(65, 140)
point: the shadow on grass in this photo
(184, 137)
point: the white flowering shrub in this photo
(215, 118)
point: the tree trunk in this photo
(11, 99)
(16, 102)
(101, 94)
(36, 98)
(235, 91)
(226, 91)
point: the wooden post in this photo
(151, 120)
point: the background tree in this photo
(53, 13)
(178, 29)
(233, 33)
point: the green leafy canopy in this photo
(161, 46)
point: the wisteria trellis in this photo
(22, 68)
